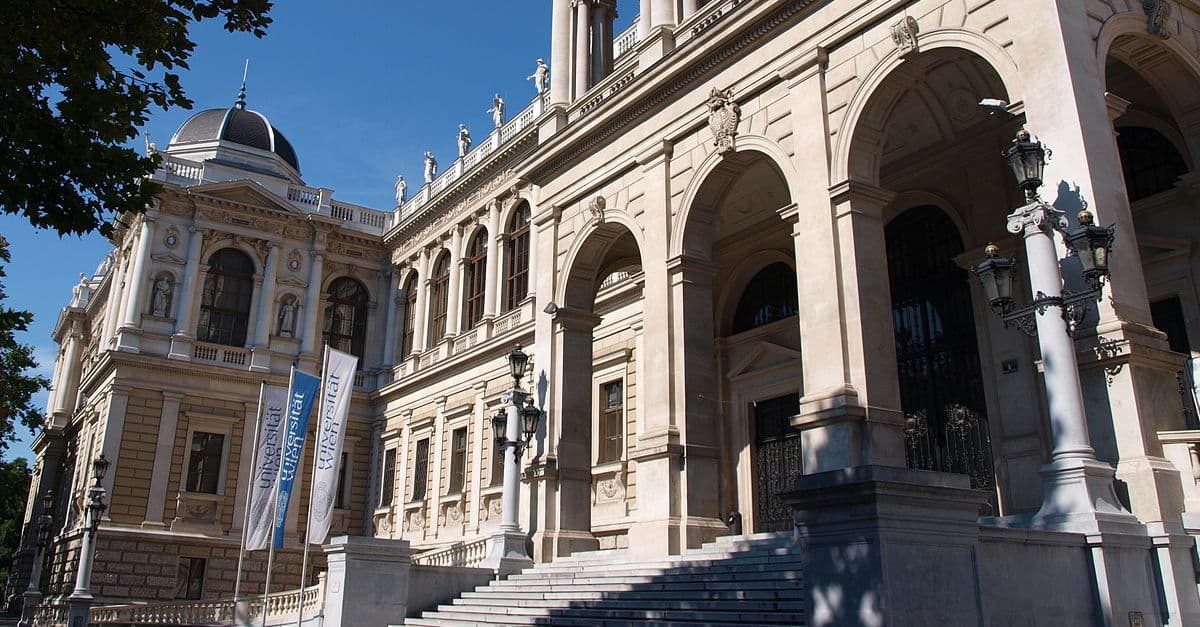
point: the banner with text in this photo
(331, 431)
(304, 392)
(266, 467)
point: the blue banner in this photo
(304, 392)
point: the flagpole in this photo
(237, 581)
(312, 482)
(275, 506)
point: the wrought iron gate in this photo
(937, 356)
(777, 461)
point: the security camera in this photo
(994, 105)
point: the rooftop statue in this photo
(401, 189)
(430, 167)
(464, 140)
(540, 76)
(497, 111)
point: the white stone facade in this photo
(661, 175)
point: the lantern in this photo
(1091, 244)
(995, 275)
(1027, 158)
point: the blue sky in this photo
(361, 89)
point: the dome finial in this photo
(240, 103)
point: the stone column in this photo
(547, 366)
(67, 389)
(260, 358)
(645, 19)
(602, 40)
(135, 286)
(560, 53)
(309, 342)
(186, 315)
(114, 429)
(491, 290)
(689, 9)
(392, 302)
(583, 20)
(454, 302)
(663, 13)
(245, 465)
(112, 306)
(421, 330)
(164, 454)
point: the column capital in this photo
(863, 198)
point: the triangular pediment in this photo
(246, 192)
(764, 356)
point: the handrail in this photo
(310, 600)
(463, 554)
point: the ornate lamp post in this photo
(513, 428)
(1078, 487)
(33, 593)
(80, 601)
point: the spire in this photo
(240, 103)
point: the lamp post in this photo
(1078, 487)
(513, 427)
(33, 593)
(80, 601)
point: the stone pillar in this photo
(454, 304)
(309, 342)
(583, 45)
(547, 366)
(186, 315)
(560, 53)
(67, 388)
(421, 328)
(663, 13)
(135, 287)
(368, 581)
(260, 358)
(645, 19)
(245, 465)
(602, 39)
(112, 306)
(491, 291)
(114, 429)
(436, 452)
(689, 9)
(164, 455)
(392, 303)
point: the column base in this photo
(129, 339)
(260, 359)
(659, 43)
(507, 553)
(1079, 497)
(554, 121)
(79, 606)
(181, 347)
(30, 600)
(838, 432)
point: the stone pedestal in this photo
(368, 581)
(181, 347)
(507, 553)
(889, 546)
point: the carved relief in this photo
(295, 261)
(415, 521)
(904, 34)
(723, 117)
(610, 489)
(596, 207)
(171, 239)
(1157, 14)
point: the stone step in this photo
(695, 561)
(634, 576)
(671, 603)
(701, 615)
(564, 621)
(506, 596)
(681, 586)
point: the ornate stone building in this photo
(735, 240)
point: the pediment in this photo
(168, 258)
(764, 356)
(246, 192)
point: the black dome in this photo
(239, 126)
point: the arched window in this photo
(410, 315)
(474, 279)
(346, 317)
(1150, 161)
(439, 296)
(769, 296)
(225, 303)
(516, 274)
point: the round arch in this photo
(982, 47)
(903, 201)
(509, 208)
(237, 244)
(587, 254)
(737, 279)
(747, 144)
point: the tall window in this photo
(346, 317)
(516, 274)
(189, 578)
(204, 462)
(1150, 161)
(439, 296)
(475, 279)
(421, 470)
(612, 421)
(769, 296)
(343, 489)
(225, 303)
(458, 460)
(410, 315)
(388, 490)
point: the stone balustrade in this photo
(1182, 448)
(281, 608)
(468, 554)
(235, 356)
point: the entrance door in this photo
(777, 460)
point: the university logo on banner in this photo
(331, 431)
(299, 407)
(266, 467)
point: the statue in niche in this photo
(160, 299)
(401, 190)
(540, 76)
(497, 111)
(464, 140)
(430, 167)
(287, 318)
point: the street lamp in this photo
(513, 428)
(1076, 483)
(33, 593)
(80, 601)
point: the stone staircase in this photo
(736, 580)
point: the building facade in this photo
(736, 241)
